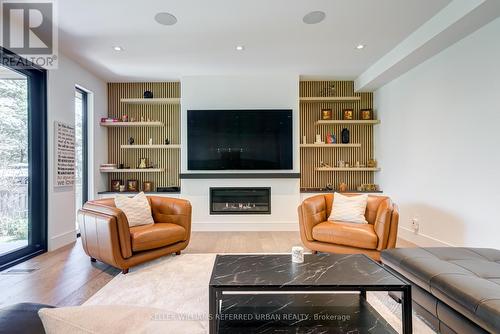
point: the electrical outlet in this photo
(414, 224)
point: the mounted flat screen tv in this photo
(239, 139)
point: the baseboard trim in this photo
(421, 240)
(242, 226)
(63, 239)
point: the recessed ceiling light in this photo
(117, 48)
(240, 47)
(360, 46)
(165, 19)
(314, 17)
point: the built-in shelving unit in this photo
(162, 100)
(331, 99)
(347, 169)
(330, 145)
(164, 111)
(167, 147)
(360, 148)
(343, 121)
(132, 170)
(131, 124)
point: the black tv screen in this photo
(239, 139)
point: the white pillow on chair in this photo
(136, 209)
(349, 208)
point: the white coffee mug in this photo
(297, 254)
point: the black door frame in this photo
(85, 144)
(37, 152)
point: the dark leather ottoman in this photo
(454, 289)
(21, 319)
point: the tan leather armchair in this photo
(318, 234)
(107, 237)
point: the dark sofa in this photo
(457, 290)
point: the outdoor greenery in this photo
(16, 229)
(13, 122)
(13, 160)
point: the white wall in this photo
(61, 107)
(242, 92)
(438, 143)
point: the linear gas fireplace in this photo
(240, 201)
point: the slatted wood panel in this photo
(168, 114)
(311, 157)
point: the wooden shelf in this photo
(170, 146)
(326, 191)
(347, 169)
(162, 100)
(331, 99)
(340, 121)
(131, 124)
(133, 170)
(330, 145)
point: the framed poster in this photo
(64, 140)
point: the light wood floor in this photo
(66, 276)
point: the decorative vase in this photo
(345, 136)
(148, 94)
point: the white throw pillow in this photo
(349, 208)
(136, 209)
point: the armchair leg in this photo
(92, 259)
(315, 252)
(178, 253)
(125, 271)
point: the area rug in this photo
(179, 284)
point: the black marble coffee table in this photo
(271, 294)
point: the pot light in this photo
(314, 17)
(240, 47)
(117, 48)
(360, 46)
(165, 19)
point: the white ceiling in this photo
(203, 40)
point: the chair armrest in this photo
(123, 229)
(172, 210)
(312, 211)
(393, 231)
(382, 224)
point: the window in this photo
(81, 149)
(23, 182)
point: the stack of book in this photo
(109, 166)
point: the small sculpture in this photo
(131, 141)
(148, 94)
(143, 163)
(150, 141)
(167, 142)
(343, 187)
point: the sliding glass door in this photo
(22, 161)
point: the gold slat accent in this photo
(360, 132)
(165, 111)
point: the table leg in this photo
(407, 310)
(362, 294)
(213, 309)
